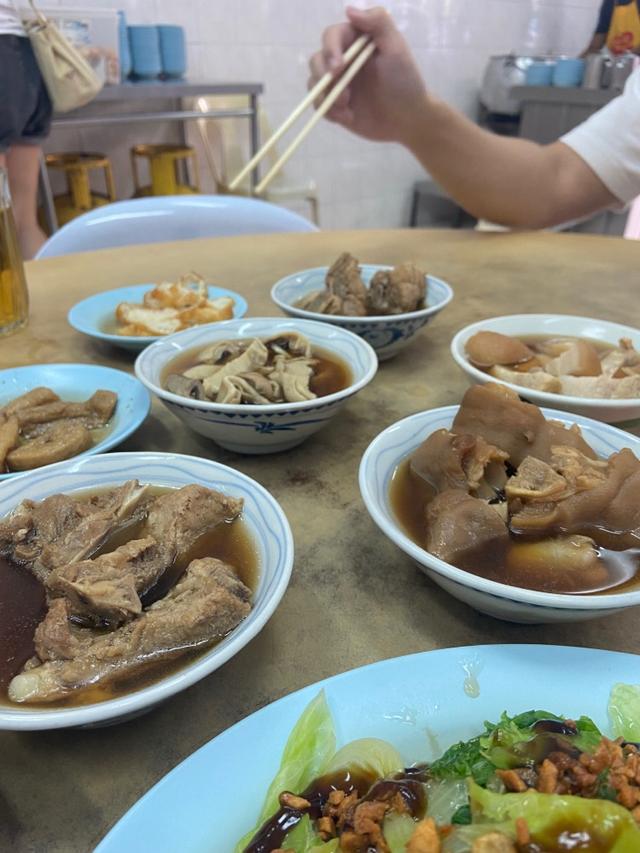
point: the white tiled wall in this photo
(360, 184)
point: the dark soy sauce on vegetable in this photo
(331, 373)
(408, 784)
(23, 605)
(506, 562)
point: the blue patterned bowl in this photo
(388, 334)
(253, 428)
(512, 603)
(267, 526)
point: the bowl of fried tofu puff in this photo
(527, 514)
(579, 364)
(384, 305)
(134, 317)
(136, 575)
(257, 385)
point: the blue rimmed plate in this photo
(77, 382)
(96, 315)
(421, 703)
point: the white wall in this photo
(360, 184)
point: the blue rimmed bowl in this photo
(512, 603)
(388, 334)
(267, 526)
(256, 428)
(75, 383)
(96, 315)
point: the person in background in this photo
(25, 118)
(506, 180)
(618, 28)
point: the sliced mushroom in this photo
(61, 442)
(484, 349)
(291, 343)
(178, 384)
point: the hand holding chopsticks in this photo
(357, 54)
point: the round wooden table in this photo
(354, 597)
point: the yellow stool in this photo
(79, 197)
(164, 162)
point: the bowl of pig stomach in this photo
(385, 305)
(259, 385)
(127, 578)
(527, 514)
(577, 364)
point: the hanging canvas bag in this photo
(70, 80)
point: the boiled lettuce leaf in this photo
(445, 798)
(498, 746)
(306, 755)
(370, 755)
(624, 711)
(397, 830)
(609, 824)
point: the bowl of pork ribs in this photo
(257, 385)
(384, 305)
(126, 578)
(527, 514)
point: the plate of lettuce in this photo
(478, 749)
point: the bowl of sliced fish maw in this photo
(384, 305)
(258, 385)
(579, 364)
(526, 514)
(127, 578)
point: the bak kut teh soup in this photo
(512, 497)
(111, 590)
(285, 368)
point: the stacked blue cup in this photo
(173, 54)
(145, 51)
(568, 72)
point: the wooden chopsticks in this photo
(357, 54)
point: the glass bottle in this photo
(14, 300)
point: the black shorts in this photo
(25, 108)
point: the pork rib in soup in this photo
(522, 500)
(133, 578)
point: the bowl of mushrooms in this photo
(260, 385)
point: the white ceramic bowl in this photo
(388, 334)
(609, 411)
(512, 603)
(268, 528)
(257, 428)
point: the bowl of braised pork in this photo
(259, 385)
(578, 364)
(53, 412)
(127, 578)
(384, 305)
(527, 514)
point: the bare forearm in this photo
(510, 181)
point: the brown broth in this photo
(410, 495)
(23, 606)
(331, 373)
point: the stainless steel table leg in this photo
(50, 216)
(255, 137)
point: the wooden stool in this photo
(76, 166)
(164, 162)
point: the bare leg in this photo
(23, 164)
